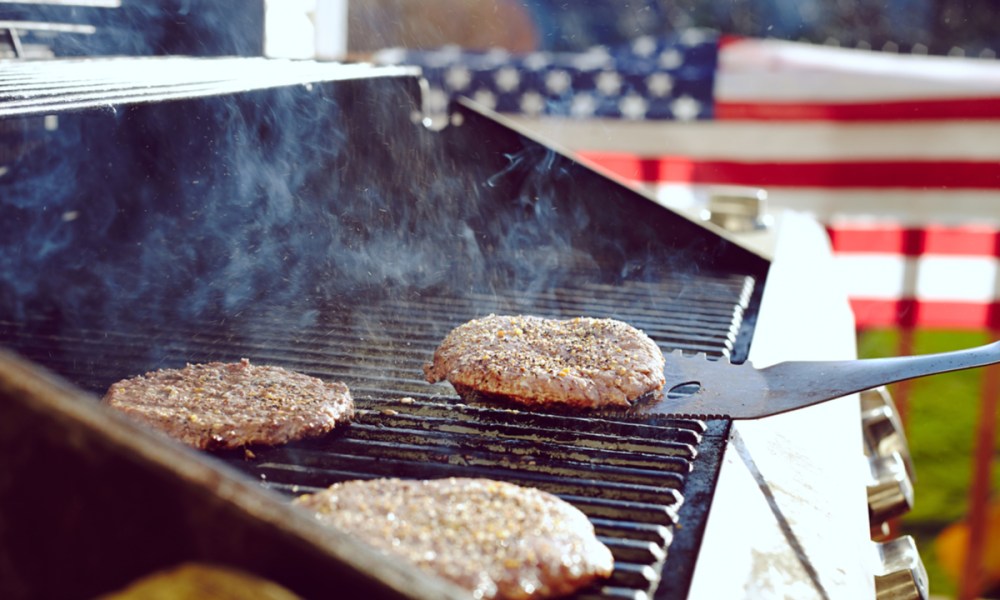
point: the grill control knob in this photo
(902, 575)
(891, 493)
(883, 431)
(737, 209)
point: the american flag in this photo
(897, 154)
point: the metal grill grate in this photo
(628, 478)
(379, 347)
(42, 88)
(635, 480)
(25, 37)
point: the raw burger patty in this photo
(216, 406)
(582, 362)
(495, 539)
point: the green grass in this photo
(941, 429)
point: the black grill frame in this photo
(595, 247)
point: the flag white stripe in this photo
(928, 278)
(910, 207)
(749, 141)
(876, 276)
(774, 70)
(972, 279)
(907, 207)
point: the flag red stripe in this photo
(727, 39)
(915, 313)
(970, 240)
(952, 174)
(883, 110)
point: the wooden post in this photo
(901, 394)
(901, 398)
(979, 489)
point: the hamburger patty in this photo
(217, 406)
(582, 362)
(495, 539)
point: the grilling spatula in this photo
(721, 389)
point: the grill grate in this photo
(42, 88)
(628, 478)
(636, 480)
(379, 348)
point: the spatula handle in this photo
(744, 392)
(838, 378)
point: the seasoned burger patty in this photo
(216, 406)
(495, 539)
(206, 581)
(582, 362)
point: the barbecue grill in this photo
(305, 215)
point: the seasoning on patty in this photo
(495, 539)
(218, 406)
(581, 362)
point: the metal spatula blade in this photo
(744, 392)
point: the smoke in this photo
(303, 204)
(207, 209)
